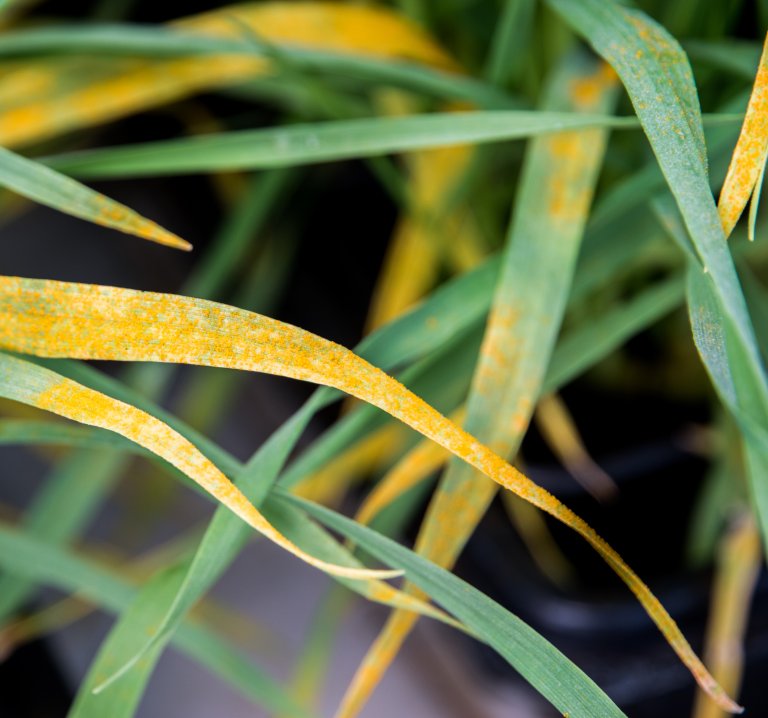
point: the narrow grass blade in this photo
(36, 317)
(562, 436)
(39, 432)
(36, 386)
(323, 142)
(50, 564)
(749, 156)
(507, 55)
(46, 186)
(551, 208)
(121, 699)
(553, 675)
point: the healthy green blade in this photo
(324, 142)
(52, 565)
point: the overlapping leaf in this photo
(36, 386)
(50, 318)
(550, 213)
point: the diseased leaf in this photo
(84, 479)
(745, 172)
(36, 386)
(49, 318)
(123, 86)
(551, 207)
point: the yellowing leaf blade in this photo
(749, 156)
(43, 388)
(49, 318)
(550, 213)
(124, 86)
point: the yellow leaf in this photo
(44, 98)
(49, 391)
(61, 319)
(738, 567)
(560, 432)
(749, 157)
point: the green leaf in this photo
(323, 142)
(541, 664)
(52, 565)
(46, 186)
(550, 213)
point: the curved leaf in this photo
(49, 318)
(34, 385)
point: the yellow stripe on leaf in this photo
(749, 157)
(61, 319)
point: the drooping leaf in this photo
(36, 317)
(31, 384)
(84, 479)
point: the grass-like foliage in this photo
(553, 172)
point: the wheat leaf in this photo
(46, 186)
(49, 318)
(749, 156)
(34, 385)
